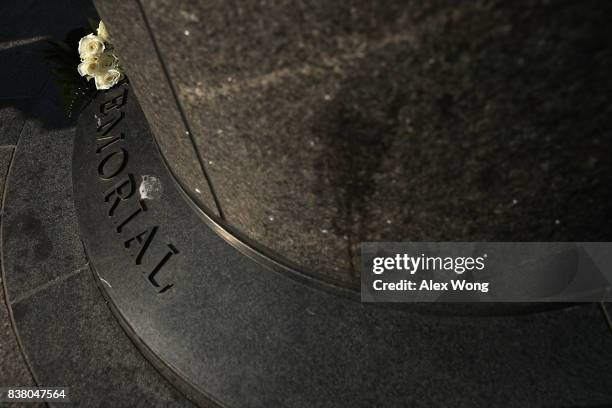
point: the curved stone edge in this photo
(257, 252)
(171, 374)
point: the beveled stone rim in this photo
(256, 251)
(170, 373)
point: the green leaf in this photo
(64, 59)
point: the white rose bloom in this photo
(97, 62)
(108, 79)
(90, 46)
(88, 68)
(103, 33)
(106, 61)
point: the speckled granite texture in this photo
(322, 125)
(13, 368)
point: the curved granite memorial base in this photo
(230, 331)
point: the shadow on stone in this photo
(493, 129)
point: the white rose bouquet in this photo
(98, 61)
(94, 58)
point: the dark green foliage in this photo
(63, 56)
